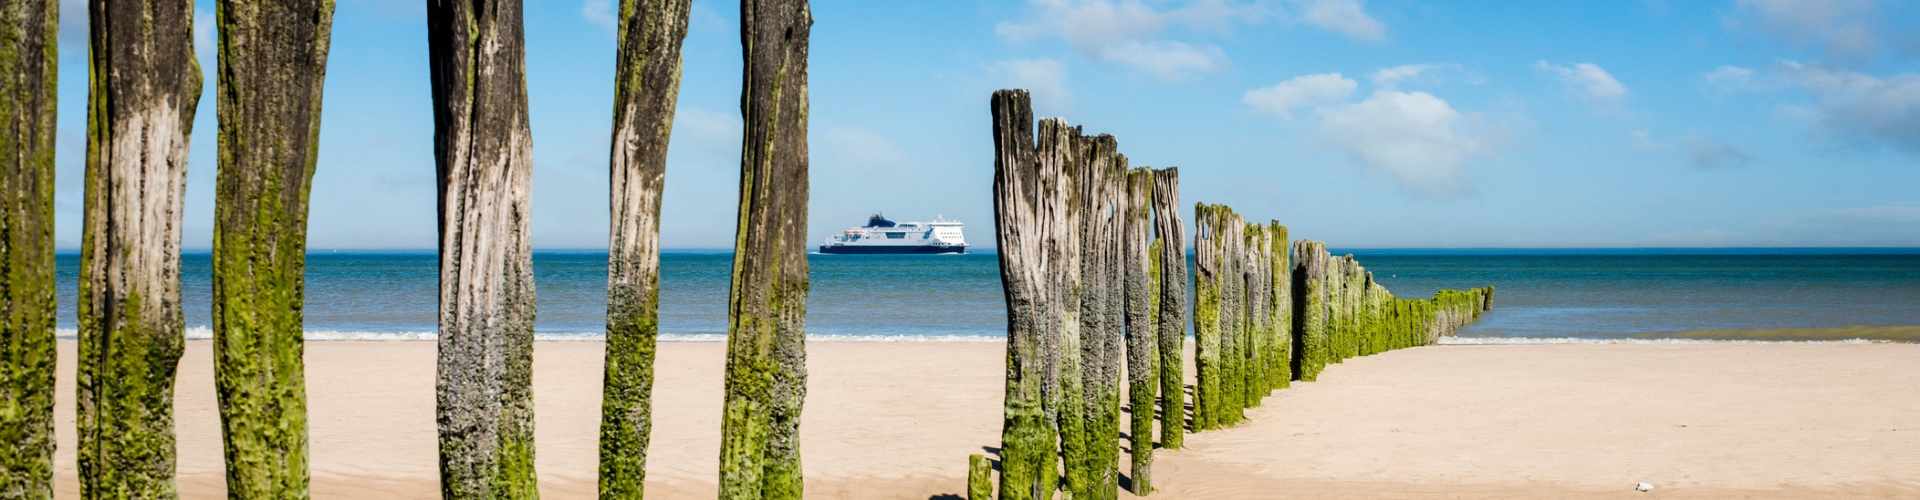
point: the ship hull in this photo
(891, 249)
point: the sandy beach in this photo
(897, 420)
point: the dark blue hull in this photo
(869, 250)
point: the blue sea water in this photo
(1541, 293)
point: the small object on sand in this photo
(1643, 487)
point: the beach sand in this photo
(897, 420)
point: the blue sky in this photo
(1362, 123)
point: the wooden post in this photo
(1021, 211)
(273, 65)
(646, 84)
(1310, 309)
(979, 478)
(484, 153)
(1233, 357)
(1260, 340)
(1142, 329)
(766, 327)
(1092, 473)
(29, 68)
(1207, 323)
(1280, 276)
(1173, 305)
(143, 91)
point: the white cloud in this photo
(1045, 78)
(1590, 80)
(1392, 77)
(1346, 17)
(1729, 77)
(1843, 28)
(1300, 92)
(1418, 139)
(1860, 107)
(1131, 33)
(599, 13)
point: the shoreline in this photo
(898, 419)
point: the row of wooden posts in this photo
(144, 89)
(1094, 267)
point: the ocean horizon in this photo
(1586, 294)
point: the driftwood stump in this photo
(29, 67)
(1142, 328)
(273, 65)
(484, 157)
(646, 84)
(766, 327)
(141, 99)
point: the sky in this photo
(1360, 123)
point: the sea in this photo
(1594, 294)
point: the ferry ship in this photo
(883, 236)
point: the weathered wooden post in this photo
(1173, 305)
(1233, 332)
(1280, 305)
(273, 65)
(1207, 323)
(1142, 328)
(1259, 337)
(979, 478)
(1063, 150)
(141, 99)
(766, 380)
(484, 153)
(29, 68)
(646, 84)
(1027, 210)
(1310, 309)
(1102, 316)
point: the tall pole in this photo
(273, 65)
(766, 345)
(29, 68)
(646, 83)
(144, 87)
(483, 150)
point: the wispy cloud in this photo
(1346, 17)
(600, 13)
(1729, 77)
(1395, 76)
(1858, 107)
(1843, 29)
(1045, 78)
(1134, 34)
(1700, 152)
(1281, 99)
(1588, 80)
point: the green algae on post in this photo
(143, 89)
(273, 61)
(1032, 195)
(646, 84)
(29, 67)
(1141, 329)
(979, 478)
(766, 371)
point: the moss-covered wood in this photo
(144, 87)
(979, 478)
(273, 59)
(1032, 200)
(1310, 310)
(29, 67)
(1168, 230)
(766, 377)
(1142, 328)
(1102, 316)
(1280, 305)
(483, 151)
(646, 85)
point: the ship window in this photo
(896, 236)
